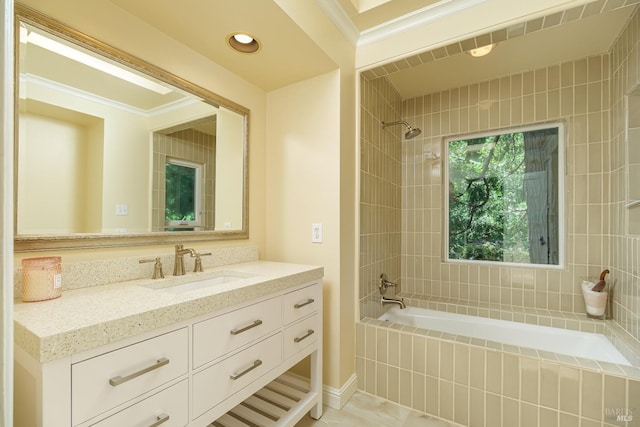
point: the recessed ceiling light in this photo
(243, 42)
(482, 50)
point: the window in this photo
(504, 199)
(182, 189)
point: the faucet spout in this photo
(178, 265)
(397, 301)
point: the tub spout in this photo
(400, 301)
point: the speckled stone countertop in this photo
(87, 318)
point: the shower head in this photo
(411, 132)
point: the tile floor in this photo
(367, 410)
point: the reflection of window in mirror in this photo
(505, 196)
(182, 193)
(632, 156)
(185, 145)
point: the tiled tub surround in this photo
(588, 96)
(484, 383)
(541, 339)
(88, 318)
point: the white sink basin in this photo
(219, 278)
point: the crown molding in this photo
(340, 19)
(33, 79)
(415, 19)
(388, 29)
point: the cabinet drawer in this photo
(300, 303)
(215, 337)
(301, 335)
(105, 381)
(170, 407)
(214, 384)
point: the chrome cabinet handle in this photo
(115, 381)
(246, 328)
(302, 304)
(237, 375)
(161, 419)
(307, 335)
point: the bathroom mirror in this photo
(113, 151)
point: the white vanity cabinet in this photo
(187, 374)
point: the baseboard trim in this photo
(333, 397)
(337, 398)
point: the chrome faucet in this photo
(383, 285)
(178, 265)
(400, 301)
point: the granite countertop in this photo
(87, 318)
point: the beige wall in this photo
(380, 191)
(122, 150)
(53, 167)
(303, 183)
(229, 177)
(623, 156)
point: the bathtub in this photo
(562, 341)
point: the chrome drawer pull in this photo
(119, 380)
(256, 363)
(162, 418)
(246, 328)
(302, 304)
(308, 334)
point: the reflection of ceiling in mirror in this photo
(52, 69)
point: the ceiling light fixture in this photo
(243, 42)
(91, 61)
(482, 50)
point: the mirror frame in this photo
(40, 242)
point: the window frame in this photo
(197, 193)
(562, 200)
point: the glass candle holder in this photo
(41, 278)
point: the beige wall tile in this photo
(528, 415)
(494, 372)
(419, 392)
(592, 397)
(529, 374)
(433, 396)
(446, 360)
(446, 399)
(511, 376)
(461, 404)
(493, 410)
(406, 387)
(569, 393)
(461, 369)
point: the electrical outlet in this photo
(316, 233)
(122, 210)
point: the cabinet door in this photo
(108, 380)
(168, 408)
